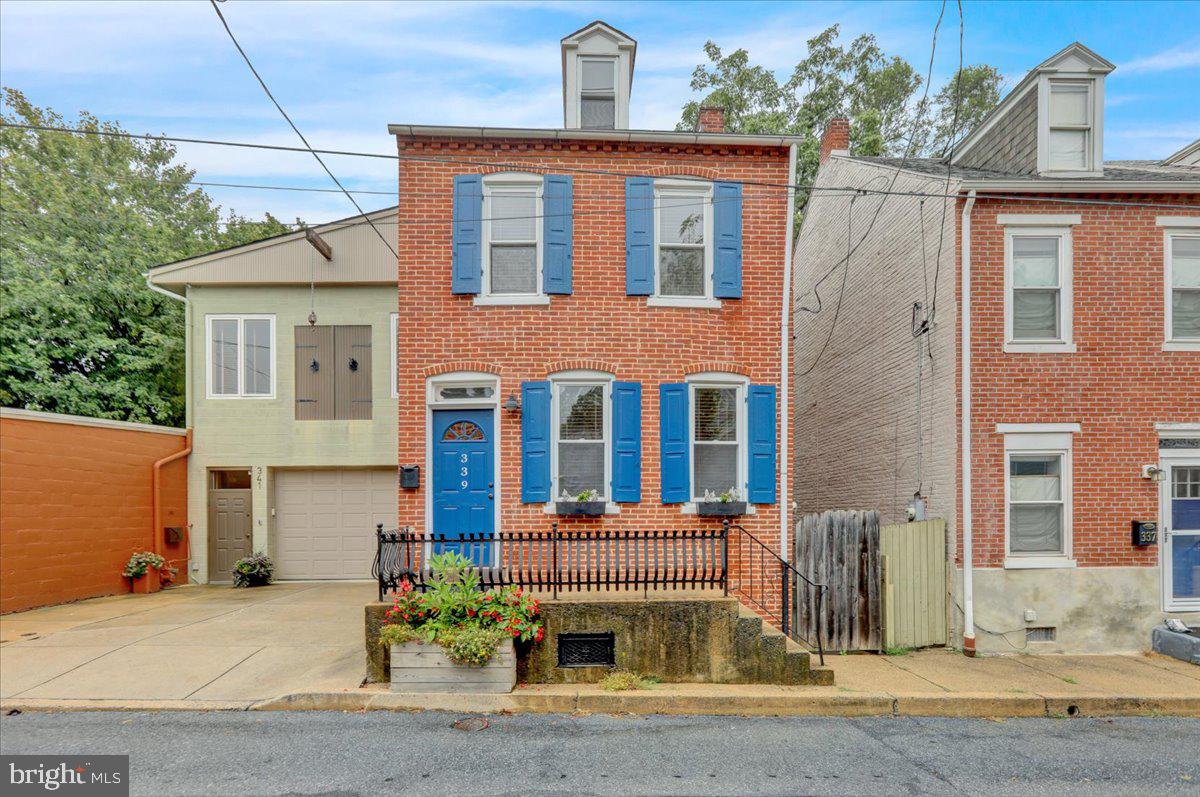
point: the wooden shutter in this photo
(314, 388)
(352, 389)
(761, 423)
(627, 441)
(466, 271)
(674, 469)
(557, 190)
(727, 230)
(535, 442)
(639, 236)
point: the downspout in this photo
(965, 356)
(187, 343)
(785, 344)
(156, 482)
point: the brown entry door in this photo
(229, 525)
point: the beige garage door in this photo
(325, 521)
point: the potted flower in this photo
(142, 570)
(253, 571)
(456, 637)
(730, 503)
(586, 504)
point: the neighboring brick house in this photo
(591, 308)
(1058, 387)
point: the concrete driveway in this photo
(195, 643)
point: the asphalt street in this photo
(323, 753)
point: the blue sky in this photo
(344, 70)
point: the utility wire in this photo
(558, 168)
(284, 113)
(841, 293)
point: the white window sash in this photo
(1169, 289)
(1065, 340)
(596, 94)
(240, 355)
(556, 386)
(680, 191)
(741, 459)
(1059, 445)
(511, 184)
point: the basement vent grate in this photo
(1046, 633)
(587, 650)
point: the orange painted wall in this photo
(75, 502)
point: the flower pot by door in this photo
(151, 582)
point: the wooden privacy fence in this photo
(886, 585)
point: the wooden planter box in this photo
(721, 508)
(580, 508)
(417, 667)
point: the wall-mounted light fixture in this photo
(1154, 473)
(511, 404)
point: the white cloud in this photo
(1182, 57)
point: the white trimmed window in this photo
(1069, 138)
(1037, 493)
(598, 93)
(581, 454)
(1183, 289)
(683, 221)
(1037, 287)
(512, 233)
(241, 356)
(718, 436)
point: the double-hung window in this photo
(241, 356)
(512, 256)
(1069, 139)
(598, 93)
(683, 216)
(1038, 294)
(1037, 461)
(718, 439)
(582, 432)
(1183, 289)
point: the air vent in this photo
(587, 650)
(1045, 633)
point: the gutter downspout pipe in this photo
(156, 485)
(785, 344)
(965, 357)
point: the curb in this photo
(968, 705)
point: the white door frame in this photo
(1169, 458)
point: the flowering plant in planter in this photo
(466, 621)
(140, 563)
(253, 571)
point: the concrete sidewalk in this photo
(300, 646)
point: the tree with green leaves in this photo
(877, 92)
(82, 218)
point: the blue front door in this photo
(464, 481)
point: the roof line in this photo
(564, 134)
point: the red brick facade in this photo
(598, 326)
(1117, 385)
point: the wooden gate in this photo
(886, 586)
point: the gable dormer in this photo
(597, 64)
(1051, 124)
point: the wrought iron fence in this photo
(728, 558)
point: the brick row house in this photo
(591, 312)
(1017, 350)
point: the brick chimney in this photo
(711, 119)
(836, 137)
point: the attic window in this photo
(1070, 115)
(598, 93)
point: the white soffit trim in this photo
(1178, 221)
(1038, 219)
(1037, 428)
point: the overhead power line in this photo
(308, 146)
(561, 169)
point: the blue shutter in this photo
(466, 270)
(761, 423)
(639, 236)
(627, 442)
(673, 423)
(557, 228)
(727, 230)
(535, 442)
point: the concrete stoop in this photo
(764, 655)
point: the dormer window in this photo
(1069, 144)
(598, 93)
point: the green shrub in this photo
(624, 680)
(471, 645)
(140, 563)
(253, 571)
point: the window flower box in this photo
(420, 667)
(580, 508)
(721, 508)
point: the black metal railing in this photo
(773, 587)
(728, 558)
(571, 561)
